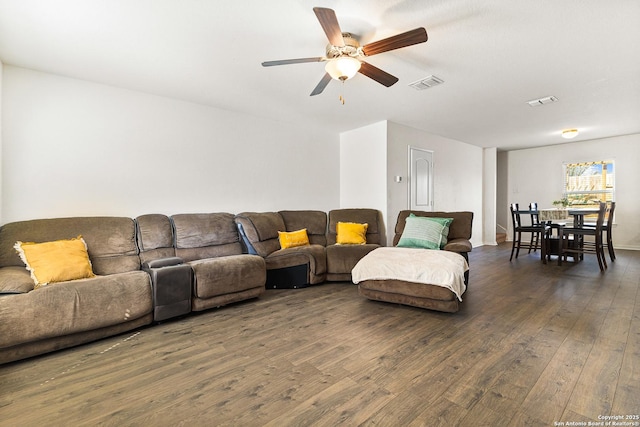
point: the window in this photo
(587, 184)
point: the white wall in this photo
(74, 148)
(363, 165)
(535, 175)
(503, 217)
(489, 195)
(458, 174)
(1, 157)
(373, 155)
(363, 168)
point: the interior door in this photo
(420, 179)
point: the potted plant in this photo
(564, 202)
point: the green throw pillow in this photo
(425, 232)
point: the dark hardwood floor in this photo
(533, 344)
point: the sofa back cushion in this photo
(155, 237)
(372, 217)
(314, 221)
(261, 231)
(205, 235)
(460, 227)
(111, 241)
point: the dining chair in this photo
(580, 247)
(535, 221)
(608, 228)
(535, 229)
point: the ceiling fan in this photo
(344, 55)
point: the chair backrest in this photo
(515, 216)
(535, 219)
(612, 208)
(601, 214)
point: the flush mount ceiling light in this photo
(569, 133)
(343, 68)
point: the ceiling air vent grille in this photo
(542, 101)
(426, 83)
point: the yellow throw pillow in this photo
(292, 239)
(56, 261)
(351, 233)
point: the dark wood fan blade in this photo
(377, 74)
(419, 35)
(329, 22)
(291, 61)
(323, 83)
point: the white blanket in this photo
(433, 267)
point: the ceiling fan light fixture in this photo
(343, 68)
(569, 133)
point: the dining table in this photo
(553, 214)
(560, 215)
(556, 219)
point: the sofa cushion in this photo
(424, 232)
(351, 233)
(56, 261)
(111, 241)
(460, 227)
(372, 217)
(154, 231)
(226, 275)
(314, 221)
(75, 306)
(208, 235)
(261, 230)
(342, 258)
(15, 280)
(291, 239)
(155, 237)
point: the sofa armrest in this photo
(15, 280)
(458, 245)
(161, 262)
(171, 281)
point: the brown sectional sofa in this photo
(156, 267)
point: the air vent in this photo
(426, 83)
(542, 101)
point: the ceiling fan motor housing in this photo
(351, 48)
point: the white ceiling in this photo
(493, 56)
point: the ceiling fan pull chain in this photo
(341, 98)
